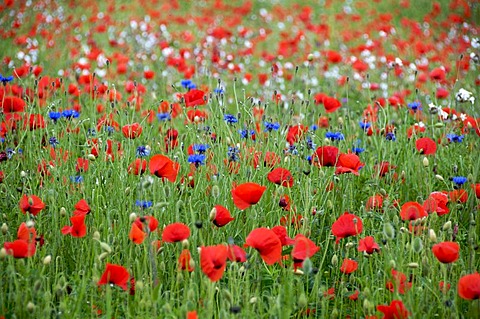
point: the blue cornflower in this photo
(55, 116)
(143, 151)
(143, 203)
(415, 106)
(109, 129)
(53, 141)
(10, 152)
(70, 114)
(271, 126)
(390, 136)
(455, 138)
(200, 148)
(233, 154)
(230, 119)
(5, 80)
(2, 140)
(313, 127)
(459, 180)
(218, 91)
(292, 149)
(335, 136)
(197, 159)
(357, 150)
(186, 83)
(310, 144)
(163, 116)
(76, 179)
(91, 132)
(364, 125)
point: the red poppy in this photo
(412, 211)
(396, 310)
(81, 208)
(137, 167)
(213, 260)
(348, 266)
(295, 133)
(31, 204)
(82, 165)
(194, 98)
(184, 260)
(446, 252)
(78, 228)
(26, 233)
(281, 176)
(20, 248)
(438, 75)
(116, 275)
(331, 104)
(34, 121)
(221, 216)
(247, 194)
(303, 248)
(150, 221)
(469, 286)
(476, 188)
(132, 131)
(368, 245)
(399, 283)
(175, 232)
(348, 163)
(436, 203)
(374, 202)
(458, 195)
(347, 225)
(383, 168)
(137, 235)
(236, 254)
(266, 242)
(162, 166)
(325, 156)
(281, 233)
(11, 104)
(192, 315)
(426, 146)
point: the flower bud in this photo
(307, 266)
(302, 301)
(96, 235)
(310, 57)
(185, 244)
(127, 191)
(3, 253)
(417, 245)
(425, 161)
(91, 157)
(4, 228)
(30, 306)
(30, 224)
(102, 256)
(439, 177)
(132, 217)
(334, 260)
(432, 236)
(23, 174)
(213, 214)
(47, 260)
(392, 263)
(253, 300)
(447, 226)
(106, 247)
(215, 191)
(388, 231)
(413, 265)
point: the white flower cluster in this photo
(463, 96)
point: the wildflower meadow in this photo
(239, 159)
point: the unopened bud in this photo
(132, 217)
(3, 253)
(47, 260)
(185, 244)
(413, 265)
(310, 57)
(334, 260)
(215, 191)
(447, 226)
(63, 211)
(439, 177)
(96, 235)
(91, 157)
(106, 247)
(432, 236)
(4, 228)
(127, 191)
(253, 300)
(307, 266)
(368, 306)
(30, 306)
(425, 162)
(417, 245)
(392, 263)
(213, 214)
(302, 301)
(102, 256)
(23, 174)
(30, 224)
(388, 231)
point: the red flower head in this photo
(368, 245)
(31, 204)
(347, 225)
(281, 233)
(132, 131)
(446, 252)
(281, 176)
(213, 260)
(469, 286)
(303, 248)
(247, 194)
(150, 221)
(374, 202)
(348, 266)
(436, 202)
(162, 166)
(266, 242)
(237, 254)
(383, 168)
(137, 235)
(78, 228)
(220, 216)
(184, 260)
(137, 167)
(412, 211)
(348, 163)
(12, 104)
(438, 75)
(476, 188)
(295, 133)
(399, 283)
(175, 232)
(426, 146)
(396, 310)
(331, 104)
(82, 165)
(81, 208)
(194, 98)
(116, 275)
(26, 233)
(325, 156)
(20, 248)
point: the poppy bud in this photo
(439, 177)
(185, 244)
(215, 191)
(127, 191)
(132, 217)
(307, 266)
(213, 214)
(302, 301)
(310, 57)
(447, 226)
(388, 231)
(334, 313)
(242, 270)
(368, 306)
(329, 204)
(340, 120)
(63, 211)
(96, 235)
(413, 265)
(349, 245)
(47, 260)
(30, 306)
(4, 228)
(253, 300)
(392, 263)
(417, 245)
(383, 192)
(334, 260)
(298, 272)
(106, 247)
(91, 157)
(30, 224)
(425, 162)
(23, 174)
(432, 236)
(37, 285)
(3, 253)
